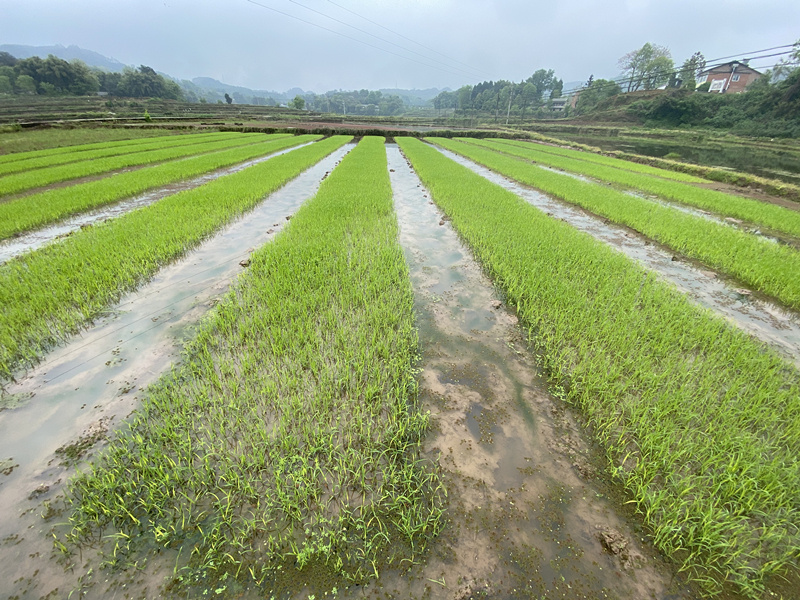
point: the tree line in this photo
(53, 76)
(503, 98)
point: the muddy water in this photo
(36, 239)
(527, 514)
(762, 319)
(90, 385)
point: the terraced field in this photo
(310, 439)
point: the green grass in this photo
(19, 166)
(291, 434)
(17, 143)
(758, 263)
(19, 182)
(775, 217)
(51, 293)
(37, 210)
(599, 159)
(700, 423)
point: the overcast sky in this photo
(446, 43)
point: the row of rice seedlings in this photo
(701, 424)
(37, 210)
(600, 159)
(18, 182)
(757, 262)
(150, 144)
(57, 141)
(291, 433)
(51, 293)
(760, 213)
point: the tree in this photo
(228, 99)
(690, 69)
(25, 84)
(786, 65)
(596, 92)
(7, 60)
(5, 85)
(646, 68)
(298, 102)
(528, 94)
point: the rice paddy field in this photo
(241, 365)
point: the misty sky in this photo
(462, 41)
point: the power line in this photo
(339, 33)
(372, 35)
(352, 12)
(674, 71)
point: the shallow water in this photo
(36, 239)
(92, 384)
(526, 510)
(764, 320)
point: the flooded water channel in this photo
(62, 409)
(744, 308)
(527, 516)
(36, 239)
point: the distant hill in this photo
(93, 59)
(210, 83)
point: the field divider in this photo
(758, 263)
(38, 210)
(700, 423)
(293, 420)
(152, 144)
(777, 218)
(37, 178)
(51, 293)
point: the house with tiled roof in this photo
(729, 78)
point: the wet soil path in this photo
(774, 325)
(528, 516)
(36, 239)
(62, 410)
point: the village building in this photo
(729, 78)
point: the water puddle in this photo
(36, 239)
(764, 320)
(528, 516)
(59, 412)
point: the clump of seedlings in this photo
(290, 436)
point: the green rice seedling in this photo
(600, 159)
(291, 433)
(18, 182)
(37, 210)
(51, 293)
(775, 217)
(700, 423)
(51, 160)
(28, 143)
(761, 264)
